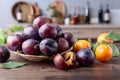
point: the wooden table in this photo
(47, 71)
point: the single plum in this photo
(59, 62)
(47, 31)
(59, 30)
(48, 46)
(85, 57)
(39, 21)
(4, 54)
(20, 33)
(63, 45)
(70, 38)
(31, 47)
(14, 42)
(30, 32)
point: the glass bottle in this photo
(19, 13)
(87, 13)
(82, 15)
(107, 14)
(100, 14)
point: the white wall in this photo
(6, 6)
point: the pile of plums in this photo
(40, 38)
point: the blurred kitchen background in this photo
(71, 7)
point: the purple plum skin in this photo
(30, 32)
(48, 47)
(14, 42)
(85, 57)
(63, 45)
(20, 33)
(47, 31)
(70, 38)
(31, 47)
(4, 54)
(39, 21)
(59, 30)
(59, 62)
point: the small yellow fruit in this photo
(103, 52)
(102, 37)
(80, 44)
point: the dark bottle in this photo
(87, 13)
(82, 15)
(19, 13)
(107, 14)
(70, 13)
(100, 14)
(75, 16)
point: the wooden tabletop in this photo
(47, 71)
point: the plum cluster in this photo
(41, 38)
(84, 57)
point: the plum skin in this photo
(14, 42)
(30, 32)
(4, 54)
(20, 33)
(47, 31)
(39, 21)
(48, 46)
(70, 38)
(59, 62)
(31, 47)
(59, 30)
(85, 57)
(63, 45)
(68, 60)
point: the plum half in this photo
(65, 61)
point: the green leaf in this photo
(15, 28)
(3, 37)
(115, 50)
(89, 40)
(76, 39)
(2, 40)
(12, 64)
(1, 31)
(94, 46)
(114, 36)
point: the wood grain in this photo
(47, 71)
